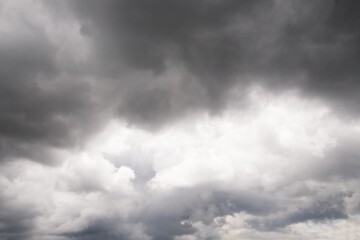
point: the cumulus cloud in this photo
(179, 119)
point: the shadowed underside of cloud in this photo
(151, 62)
(328, 208)
(310, 46)
(171, 214)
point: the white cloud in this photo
(268, 147)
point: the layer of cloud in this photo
(204, 177)
(179, 119)
(219, 44)
(151, 63)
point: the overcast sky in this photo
(179, 119)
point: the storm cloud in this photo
(179, 119)
(309, 46)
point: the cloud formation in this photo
(179, 119)
(309, 46)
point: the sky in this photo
(179, 120)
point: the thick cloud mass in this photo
(312, 46)
(179, 119)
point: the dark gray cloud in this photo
(102, 229)
(201, 37)
(319, 208)
(171, 214)
(43, 110)
(146, 33)
(188, 55)
(312, 46)
(16, 218)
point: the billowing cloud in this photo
(179, 119)
(219, 44)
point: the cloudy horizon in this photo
(179, 119)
